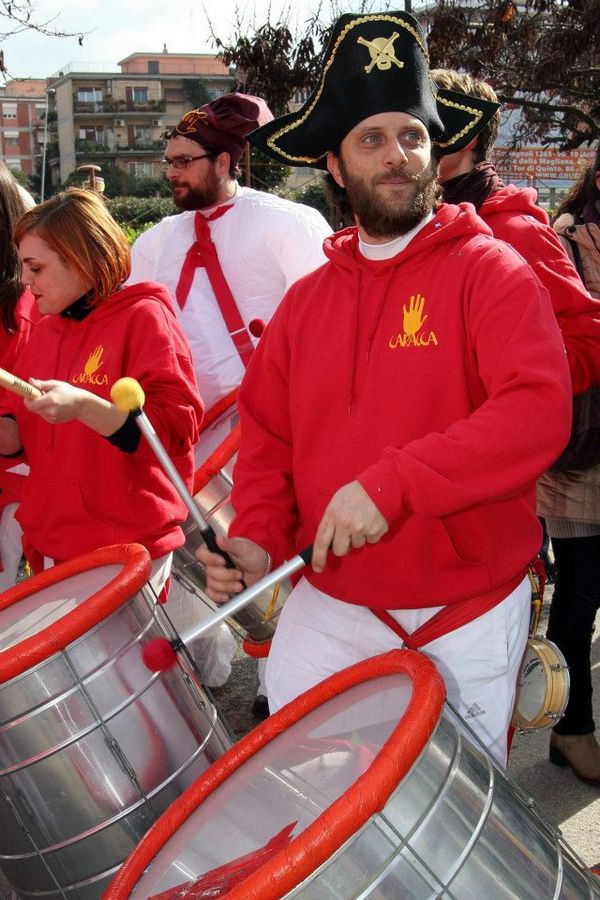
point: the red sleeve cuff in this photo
(382, 484)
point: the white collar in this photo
(391, 248)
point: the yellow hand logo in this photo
(413, 316)
(94, 362)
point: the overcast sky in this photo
(116, 28)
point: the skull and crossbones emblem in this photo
(382, 53)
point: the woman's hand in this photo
(62, 402)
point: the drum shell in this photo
(453, 827)
(259, 619)
(93, 747)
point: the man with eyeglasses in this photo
(227, 258)
(263, 243)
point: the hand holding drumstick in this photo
(57, 402)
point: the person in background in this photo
(569, 500)
(514, 216)
(93, 480)
(18, 314)
(227, 258)
(417, 388)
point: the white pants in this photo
(10, 546)
(317, 635)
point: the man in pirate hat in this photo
(417, 387)
(227, 259)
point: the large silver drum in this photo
(367, 785)
(93, 745)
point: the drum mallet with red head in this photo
(160, 653)
(128, 396)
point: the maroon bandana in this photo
(224, 123)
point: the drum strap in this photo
(447, 619)
(204, 253)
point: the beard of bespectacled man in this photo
(204, 182)
(388, 173)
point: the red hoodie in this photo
(446, 417)
(26, 316)
(83, 492)
(514, 217)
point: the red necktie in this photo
(204, 253)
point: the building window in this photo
(89, 94)
(153, 67)
(140, 95)
(141, 169)
(13, 163)
(142, 136)
(94, 134)
(9, 110)
(11, 140)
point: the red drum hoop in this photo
(217, 460)
(221, 406)
(137, 565)
(345, 815)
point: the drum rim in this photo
(211, 466)
(346, 815)
(135, 573)
(549, 654)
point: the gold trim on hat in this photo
(475, 113)
(190, 120)
(271, 141)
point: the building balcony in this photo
(119, 106)
(83, 147)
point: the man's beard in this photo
(198, 197)
(391, 217)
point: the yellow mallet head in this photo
(127, 395)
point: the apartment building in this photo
(23, 109)
(120, 117)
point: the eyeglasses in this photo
(181, 162)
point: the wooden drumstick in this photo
(18, 386)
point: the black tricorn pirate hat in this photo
(374, 62)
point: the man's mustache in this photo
(399, 173)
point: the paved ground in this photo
(567, 802)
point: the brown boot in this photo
(579, 751)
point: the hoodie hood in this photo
(510, 201)
(450, 223)
(133, 293)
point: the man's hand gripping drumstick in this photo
(350, 521)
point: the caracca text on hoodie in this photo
(438, 379)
